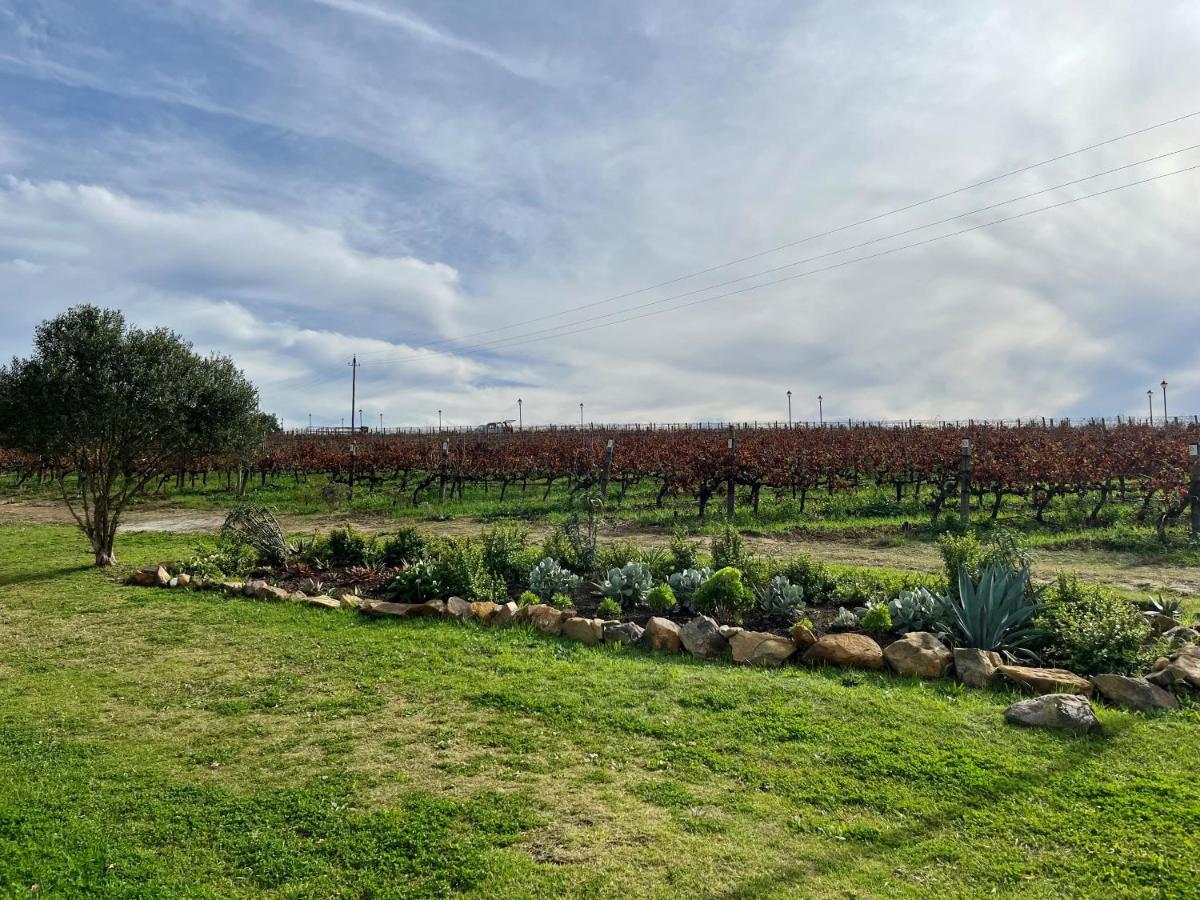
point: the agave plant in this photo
(548, 578)
(627, 585)
(257, 527)
(687, 582)
(920, 610)
(782, 599)
(1165, 606)
(996, 611)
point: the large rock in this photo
(183, 579)
(586, 631)
(504, 615)
(1069, 712)
(1182, 670)
(250, 588)
(802, 636)
(1161, 623)
(232, 587)
(976, 668)
(662, 634)
(266, 591)
(728, 631)
(431, 609)
(1134, 693)
(457, 607)
(546, 619)
(1046, 681)
(622, 632)
(324, 601)
(919, 653)
(1181, 634)
(846, 649)
(483, 610)
(150, 576)
(761, 648)
(702, 637)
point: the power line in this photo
(812, 237)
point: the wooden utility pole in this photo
(964, 484)
(608, 458)
(730, 486)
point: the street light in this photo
(789, 409)
(1150, 400)
(1164, 387)
(381, 421)
(821, 409)
(360, 420)
(520, 416)
(439, 420)
(580, 415)
(310, 421)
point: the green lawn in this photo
(169, 744)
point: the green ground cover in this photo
(167, 743)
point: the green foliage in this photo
(561, 601)
(728, 549)
(608, 608)
(1164, 606)
(415, 584)
(685, 584)
(658, 561)
(487, 585)
(574, 542)
(506, 554)
(919, 609)
(617, 555)
(627, 585)
(348, 547)
(875, 617)
(994, 611)
(684, 553)
(404, 547)
(256, 526)
(724, 593)
(228, 559)
(965, 553)
(118, 404)
(858, 587)
(1091, 631)
(782, 599)
(812, 577)
(549, 578)
(845, 620)
(459, 569)
(661, 598)
(528, 598)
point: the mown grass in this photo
(166, 743)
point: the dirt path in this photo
(1121, 570)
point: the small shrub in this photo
(348, 547)
(574, 542)
(256, 526)
(876, 617)
(528, 598)
(404, 547)
(685, 584)
(658, 561)
(608, 609)
(782, 600)
(920, 609)
(960, 553)
(628, 585)
(486, 585)
(549, 578)
(723, 593)
(228, 559)
(561, 601)
(844, 621)
(1091, 631)
(661, 598)
(995, 611)
(812, 577)
(684, 554)
(728, 549)
(505, 553)
(414, 584)
(617, 555)
(858, 587)
(458, 566)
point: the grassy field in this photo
(163, 743)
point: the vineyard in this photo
(1149, 467)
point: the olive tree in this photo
(112, 405)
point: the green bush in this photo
(723, 594)
(628, 585)
(996, 611)
(683, 552)
(228, 559)
(813, 578)
(858, 587)
(661, 598)
(458, 566)
(561, 601)
(348, 547)
(728, 549)
(960, 553)
(1093, 632)
(876, 617)
(528, 598)
(404, 547)
(782, 600)
(415, 584)
(608, 609)
(617, 555)
(548, 578)
(506, 554)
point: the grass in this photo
(166, 743)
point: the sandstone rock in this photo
(802, 636)
(1159, 664)
(622, 632)
(432, 609)
(728, 631)
(183, 579)
(504, 615)
(976, 668)
(457, 607)
(587, 631)
(1161, 623)
(482, 610)
(232, 587)
(1134, 693)
(270, 592)
(546, 619)
(1046, 681)
(761, 648)
(1182, 635)
(348, 599)
(324, 601)
(250, 588)
(847, 649)
(702, 638)
(919, 653)
(1182, 670)
(150, 576)
(1069, 712)
(662, 634)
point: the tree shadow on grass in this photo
(18, 578)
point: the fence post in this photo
(608, 456)
(1194, 453)
(445, 466)
(729, 488)
(353, 461)
(964, 484)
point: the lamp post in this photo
(1164, 387)
(520, 415)
(381, 421)
(310, 421)
(789, 409)
(1150, 400)
(439, 420)
(580, 415)
(821, 409)
(360, 420)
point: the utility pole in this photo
(439, 420)
(353, 364)
(310, 421)
(360, 420)
(608, 457)
(580, 415)
(1194, 453)
(381, 421)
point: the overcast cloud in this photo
(295, 181)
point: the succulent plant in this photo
(920, 610)
(782, 599)
(687, 582)
(996, 611)
(845, 620)
(627, 585)
(548, 578)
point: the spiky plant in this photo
(257, 527)
(627, 585)
(996, 611)
(782, 599)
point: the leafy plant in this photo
(960, 553)
(728, 549)
(627, 585)
(995, 611)
(608, 608)
(256, 526)
(226, 560)
(574, 541)
(1164, 606)
(548, 578)
(919, 609)
(782, 599)
(404, 547)
(561, 601)
(661, 598)
(528, 598)
(875, 617)
(459, 566)
(845, 620)
(415, 584)
(487, 585)
(348, 547)
(685, 584)
(812, 577)
(723, 593)
(617, 555)
(683, 552)
(1091, 631)
(658, 561)
(504, 553)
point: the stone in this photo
(431, 609)
(802, 636)
(546, 619)
(1181, 634)
(1134, 693)
(728, 631)
(1046, 681)
(324, 601)
(976, 668)
(1182, 670)
(662, 635)
(504, 615)
(183, 579)
(622, 632)
(348, 599)
(250, 588)
(457, 607)
(919, 654)
(482, 610)
(761, 648)
(270, 592)
(1161, 623)
(1069, 712)
(150, 576)
(1159, 664)
(586, 631)
(232, 587)
(702, 637)
(846, 649)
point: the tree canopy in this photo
(116, 405)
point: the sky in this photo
(477, 198)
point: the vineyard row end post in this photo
(1194, 453)
(353, 461)
(964, 484)
(608, 457)
(445, 466)
(729, 488)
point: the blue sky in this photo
(293, 182)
